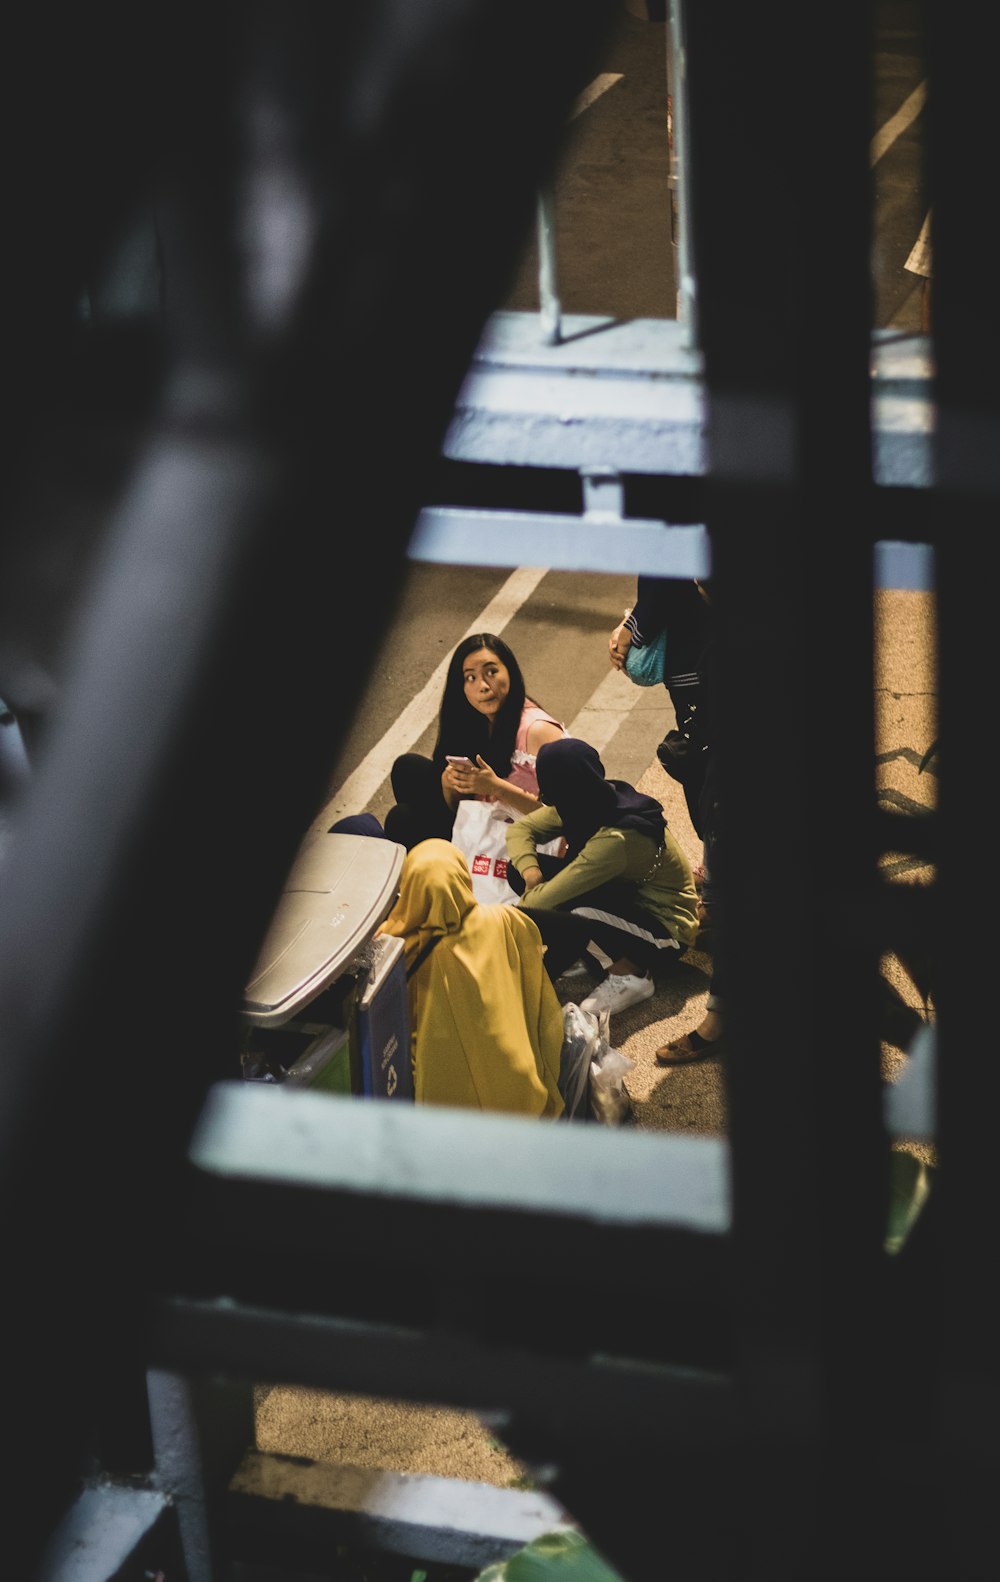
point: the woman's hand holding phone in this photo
(468, 778)
(457, 775)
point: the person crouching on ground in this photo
(486, 1026)
(624, 884)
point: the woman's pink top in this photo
(522, 763)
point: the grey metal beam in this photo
(602, 1177)
(295, 1503)
(963, 1308)
(622, 1236)
(585, 1392)
(107, 1527)
(451, 536)
(791, 464)
(632, 396)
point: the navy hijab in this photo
(571, 779)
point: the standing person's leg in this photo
(681, 752)
(707, 1037)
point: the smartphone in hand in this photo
(463, 763)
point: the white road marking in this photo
(601, 716)
(593, 91)
(898, 123)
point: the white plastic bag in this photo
(480, 831)
(609, 1102)
(591, 1072)
(581, 1041)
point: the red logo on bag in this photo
(500, 868)
(480, 864)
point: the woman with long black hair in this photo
(489, 734)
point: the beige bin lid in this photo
(338, 891)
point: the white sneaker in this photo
(617, 992)
(579, 969)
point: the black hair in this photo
(461, 728)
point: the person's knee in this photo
(399, 826)
(412, 777)
(359, 824)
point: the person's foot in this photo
(618, 991)
(681, 1051)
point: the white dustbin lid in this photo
(338, 891)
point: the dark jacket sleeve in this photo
(650, 611)
(674, 603)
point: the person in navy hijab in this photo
(624, 884)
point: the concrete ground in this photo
(403, 1438)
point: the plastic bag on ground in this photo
(581, 1041)
(591, 1072)
(609, 1102)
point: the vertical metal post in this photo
(201, 1429)
(549, 305)
(677, 179)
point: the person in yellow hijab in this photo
(486, 1025)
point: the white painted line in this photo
(360, 786)
(593, 91)
(898, 123)
(598, 720)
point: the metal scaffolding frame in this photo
(733, 1376)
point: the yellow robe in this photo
(486, 1024)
